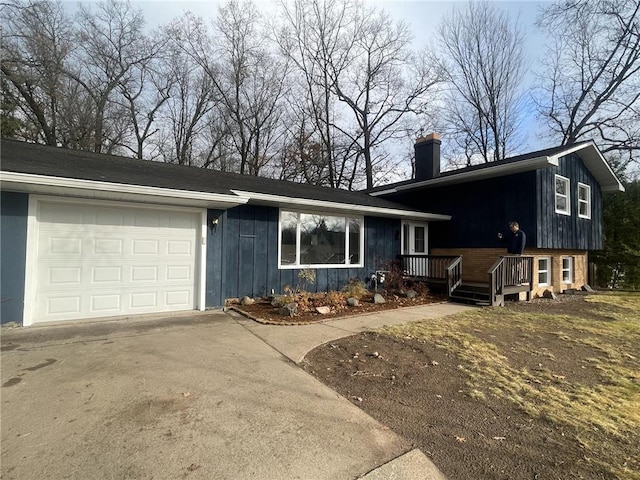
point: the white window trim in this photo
(299, 265)
(567, 196)
(570, 270)
(587, 201)
(548, 271)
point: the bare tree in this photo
(36, 42)
(250, 80)
(111, 44)
(148, 88)
(590, 88)
(317, 36)
(482, 51)
(384, 83)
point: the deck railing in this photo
(509, 272)
(446, 269)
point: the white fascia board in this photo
(44, 184)
(488, 172)
(383, 192)
(597, 165)
(304, 203)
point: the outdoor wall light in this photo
(214, 223)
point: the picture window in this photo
(319, 240)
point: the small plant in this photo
(306, 277)
(335, 300)
(355, 288)
(394, 276)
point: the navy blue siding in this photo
(242, 255)
(482, 208)
(14, 209)
(479, 210)
(568, 231)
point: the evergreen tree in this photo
(619, 263)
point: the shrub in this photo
(335, 300)
(355, 288)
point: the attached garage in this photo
(98, 259)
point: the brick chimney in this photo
(427, 151)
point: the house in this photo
(86, 235)
(554, 194)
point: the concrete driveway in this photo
(196, 396)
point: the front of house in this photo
(86, 235)
(96, 236)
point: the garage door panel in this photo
(116, 261)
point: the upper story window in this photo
(319, 240)
(544, 271)
(584, 201)
(562, 195)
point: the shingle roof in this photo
(28, 158)
(528, 161)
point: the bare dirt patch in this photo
(432, 392)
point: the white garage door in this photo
(97, 261)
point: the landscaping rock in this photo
(353, 302)
(411, 294)
(549, 294)
(377, 298)
(247, 301)
(289, 310)
(277, 300)
(323, 310)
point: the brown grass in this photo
(602, 413)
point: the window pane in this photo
(405, 238)
(354, 240)
(322, 239)
(288, 222)
(543, 271)
(419, 240)
(561, 203)
(583, 209)
(567, 270)
(561, 186)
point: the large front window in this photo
(319, 240)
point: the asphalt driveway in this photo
(196, 396)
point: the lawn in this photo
(541, 389)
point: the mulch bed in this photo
(262, 311)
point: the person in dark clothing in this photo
(516, 239)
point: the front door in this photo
(414, 242)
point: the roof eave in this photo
(596, 164)
(337, 207)
(50, 185)
(588, 151)
(489, 172)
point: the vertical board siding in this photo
(242, 255)
(13, 238)
(214, 263)
(568, 231)
(479, 210)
